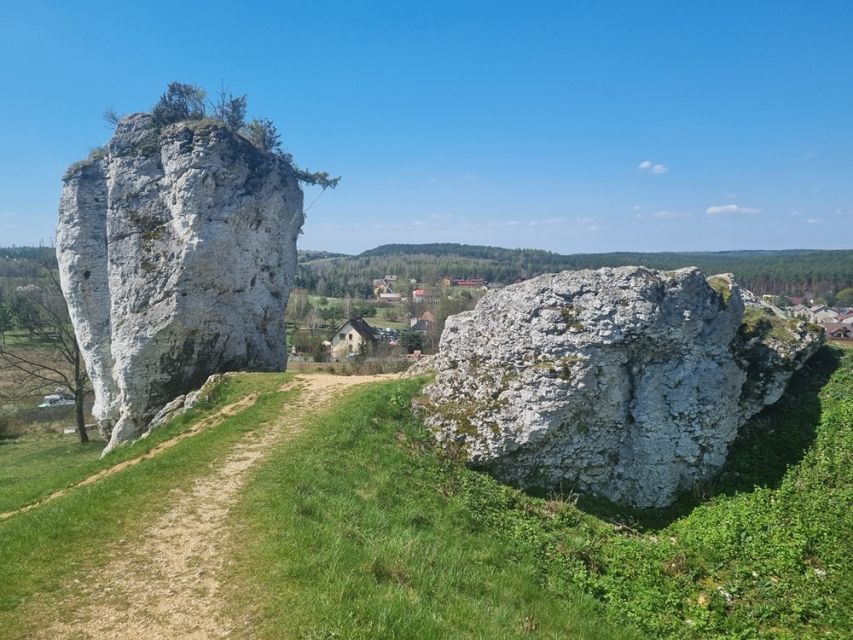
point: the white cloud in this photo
(796, 214)
(440, 216)
(636, 207)
(667, 214)
(729, 210)
(648, 165)
(812, 220)
(537, 223)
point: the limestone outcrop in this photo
(177, 252)
(627, 383)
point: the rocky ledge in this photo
(627, 383)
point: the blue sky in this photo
(569, 126)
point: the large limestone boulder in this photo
(177, 251)
(627, 383)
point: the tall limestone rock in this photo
(627, 383)
(177, 252)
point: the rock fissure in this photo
(154, 279)
(639, 398)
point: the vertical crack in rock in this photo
(624, 382)
(176, 249)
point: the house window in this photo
(349, 337)
(343, 335)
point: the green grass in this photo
(42, 548)
(35, 465)
(356, 531)
(359, 531)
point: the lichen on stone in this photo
(640, 404)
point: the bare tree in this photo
(51, 355)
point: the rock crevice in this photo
(177, 251)
(626, 382)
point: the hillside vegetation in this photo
(793, 272)
(363, 532)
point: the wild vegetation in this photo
(184, 102)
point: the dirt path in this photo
(163, 583)
(211, 421)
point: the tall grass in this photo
(353, 532)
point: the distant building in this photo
(470, 282)
(385, 285)
(350, 337)
(823, 314)
(418, 325)
(838, 331)
(846, 318)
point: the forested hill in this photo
(795, 272)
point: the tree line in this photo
(790, 272)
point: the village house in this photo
(846, 318)
(838, 331)
(823, 314)
(383, 288)
(470, 282)
(422, 323)
(351, 336)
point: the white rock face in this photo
(627, 383)
(177, 251)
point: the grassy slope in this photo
(32, 466)
(354, 531)
(40, 549)
(357, 531)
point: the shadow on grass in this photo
(766, 446)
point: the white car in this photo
(56, 400)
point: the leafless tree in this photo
(50, 355)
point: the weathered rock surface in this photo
(627, 383)
(177, 251)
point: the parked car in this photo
(56, 400)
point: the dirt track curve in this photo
(164, 582)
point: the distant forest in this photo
(789, 272)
